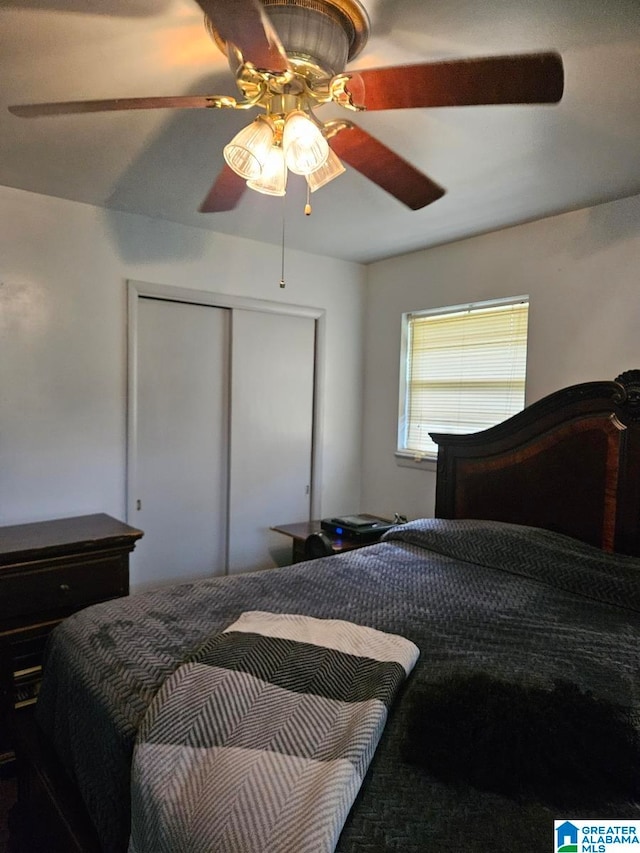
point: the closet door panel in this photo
(272, 393)
(181, 446)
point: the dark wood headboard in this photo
(569, 462)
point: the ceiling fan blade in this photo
(385, 168)
(535, 78)
(245, 25)
(225, 193)
(69, 107)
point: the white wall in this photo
(580, 271)
(63, 272)
(63, 268)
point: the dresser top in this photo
(64, 535)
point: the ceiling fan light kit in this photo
(318, 37)
(248, 150)
(289, 58)
(262, 152)
(330, 169)
(305, 148)
(273, 178)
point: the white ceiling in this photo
(500, 165)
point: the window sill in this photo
(422, 463)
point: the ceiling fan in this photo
(289, 58)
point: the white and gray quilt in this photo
(260, 742)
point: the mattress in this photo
(518, 603)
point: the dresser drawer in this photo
(27, 644)
(62, 587)
(48, 570)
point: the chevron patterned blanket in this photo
(260, 741)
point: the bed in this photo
(528, 578)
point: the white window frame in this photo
(403, 453)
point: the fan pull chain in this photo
(282, 281)
(307, 207)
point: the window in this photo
(462, 370)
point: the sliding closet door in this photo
(272, 392)
(180, 451)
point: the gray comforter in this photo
(515, 602)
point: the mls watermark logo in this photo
(596, 836)
(566, 837)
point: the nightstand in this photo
(300, 531)
(49, 570)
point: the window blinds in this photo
(465, 371)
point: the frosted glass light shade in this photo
(330, 169)
(305, 148)
(273, 180)
(248, 150)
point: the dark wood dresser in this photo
(49, 570)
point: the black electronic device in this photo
(362, 527)
(317, 545)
